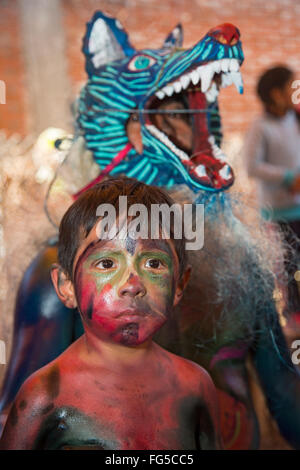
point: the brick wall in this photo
(270, 34)
(13, 115)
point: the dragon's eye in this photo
(141, 62)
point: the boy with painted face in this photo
(114, 388)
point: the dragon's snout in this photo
(225, 33)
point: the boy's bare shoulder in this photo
(44, 385)
(40, 388)
(189, 371)
(35, 399)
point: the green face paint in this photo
(124, 295)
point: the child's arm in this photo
(255, 155)
(25, 417)
(209, 436)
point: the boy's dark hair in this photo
(81, 217)
(275, 77)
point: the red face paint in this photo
(125, 292)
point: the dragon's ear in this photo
(105, 41)
(175, 38)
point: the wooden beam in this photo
(47, 82)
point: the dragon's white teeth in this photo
(207, 74)
(232, 77)
(225, 65)
(209, 96)
(212, 93)
(217, 152)
(226, 80)
(238, 81)
(160, 94)
(200, 171)
(168, 90)
(195, 77)
(225, 172)
(177, 86)
(229, 69)
(165, 140)
(217, 66)
(182, 154)
(234, 65)
(185, 81)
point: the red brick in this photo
(13, 113)
(270, 34)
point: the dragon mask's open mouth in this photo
(183, 117)
(163, 101)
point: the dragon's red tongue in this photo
(202, 151)
(197, 100)
(202, 155)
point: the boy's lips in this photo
(131, 313)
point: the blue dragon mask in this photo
(163, 101)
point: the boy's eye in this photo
(105, 264)
(154, 263)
